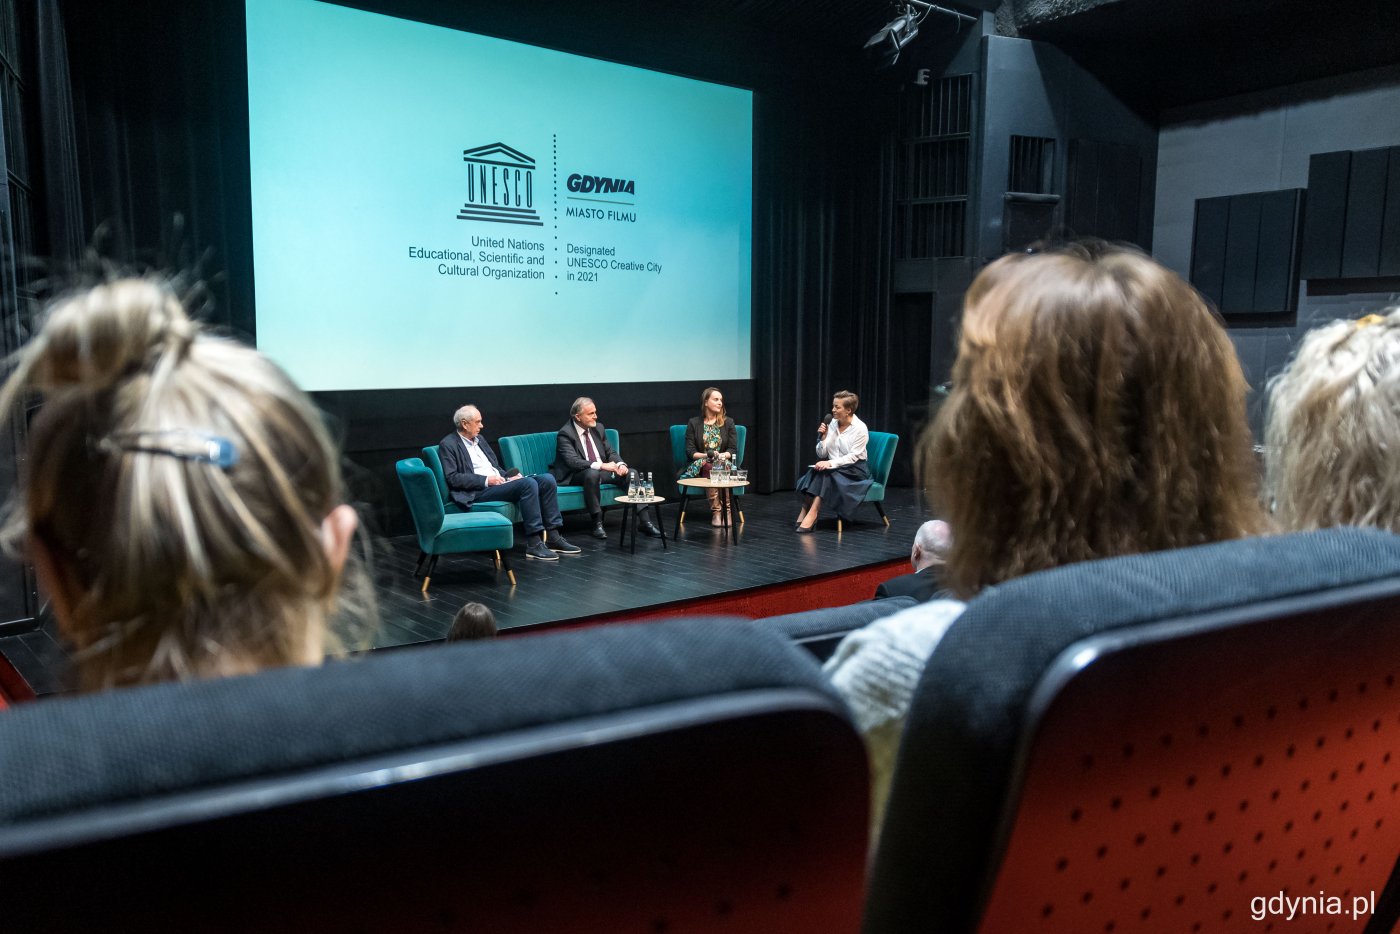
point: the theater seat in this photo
(442, 534)
(692, 775)
(1156, 743)
(821, 631)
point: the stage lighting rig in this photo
(891, 39)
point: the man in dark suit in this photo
(583, 456)
(928, 556)
(474, 476)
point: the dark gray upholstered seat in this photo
(1147, 743)
(820, 631)
(632, 777)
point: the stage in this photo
(609, 581)
(769, 570)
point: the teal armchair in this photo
(441, 534)
(533, 453)
(879, 453)
(433, 460)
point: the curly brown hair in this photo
(1097, 409)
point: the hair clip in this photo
(1368, 320)
(181, 443)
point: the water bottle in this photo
(632, 484)
(650, 489)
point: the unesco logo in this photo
(500, 186)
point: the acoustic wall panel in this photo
(1329, 174)
(1244, 254)
(1361, 244)
(1241, 251)
(1389, 264)
(1208, 247)
(1276, 266)
(1082, 186)
(1104, 190)
(1120, 195)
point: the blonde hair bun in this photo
(179, 481)
(93, 339)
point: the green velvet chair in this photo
(879, 453)
(679, 461)
(433, 460)
(533, 453)
(443, 534)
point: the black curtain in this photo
(63, 229)
(159, 108)
(822, 244)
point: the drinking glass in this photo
(741, 475)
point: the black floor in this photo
(605, 579)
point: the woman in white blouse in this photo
(835, 485)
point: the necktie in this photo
(588, 443)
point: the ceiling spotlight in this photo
(891, 39)
(895, 35)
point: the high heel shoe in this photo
(805, 530)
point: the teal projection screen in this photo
(437, 208)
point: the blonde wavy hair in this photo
(179, 489)
(1332, 436)
(1097, 409)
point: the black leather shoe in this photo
(649, 530)
(538, 551)
(801, 531)
(560, 545)
(598, 530)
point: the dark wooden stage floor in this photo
(608, 579)
(605, 580)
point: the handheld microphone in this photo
(827, 419)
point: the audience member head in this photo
(182, 499)
(1333, 431)
(931, 544)
(847, 400)
(473, 621)
(712, 404)
(584, 411)
(1097, 409)
(467, 421)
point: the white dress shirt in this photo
(844, 447)
(481, 465)
(583, 439)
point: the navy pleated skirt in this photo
(841, 490)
